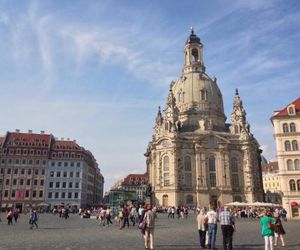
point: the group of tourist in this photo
(207, 227)
(15, 214)
(182, 212)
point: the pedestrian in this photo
(108, 216)
(267, 228)
(125, 217)
(173, 212)
(149, 220)
(16, 216)
(212, 219)
(9, 217)
(33, 218)
(120, 218)
(202, 227)
(228, 227)
(279, 231)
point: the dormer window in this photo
(291, 110)
(203, 95)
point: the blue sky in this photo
(96, 71)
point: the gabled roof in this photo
(284, 112)
(27, 139)
(271, 166)
(135, 179)
(67, 145)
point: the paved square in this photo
(84, 234)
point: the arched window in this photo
(235, 173)
(203, 95)
(295, 145)
(166, 163)
(290, 165)
(287, 146)
(195, 55)
(292, 127)
(188, 169)
(297, 164)
(212, 171)
(187, 163)
(298, 185)
(292, 185)
(166, 168)
(189, 199)
(285, 128)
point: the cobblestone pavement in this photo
(84, 234)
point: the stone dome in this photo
(198, 95)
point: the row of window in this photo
(63, 195)
(21, 182)
(203, 95)
(289, 127)
(63, 185)
(64, 174)
(35, 193)
(22, 171)
(65, 164)
(66, 155)
(291, 146)
(211, 167)
(23, 162)
(293, 185)
(271, 184)
(293, 165)
(19, 151)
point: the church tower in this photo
(195, 158)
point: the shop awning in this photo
(3, 205)
(10, 205)
(294, 204)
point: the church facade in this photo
(195, 158)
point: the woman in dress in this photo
(279, 231)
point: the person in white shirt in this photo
(212, 217)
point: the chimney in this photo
(18, 130)
(62, 138)
(68, 139)
(42, 132)
(30, 131)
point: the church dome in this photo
(195, 92)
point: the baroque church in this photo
(195, 158)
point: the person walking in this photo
(9, 217)
(228, 227)
(212, 219)
(149, 220)
(33, 218)
(202, 227)
(16, 216)
(108, 216)
(278, 230)
(267, 228)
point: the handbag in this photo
(271, 226)
(142, 225)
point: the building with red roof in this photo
(37, 170)
(286, 122)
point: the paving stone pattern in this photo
(85, 234)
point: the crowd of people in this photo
(144, 216)
(271, 225)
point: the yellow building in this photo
(271, 182)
